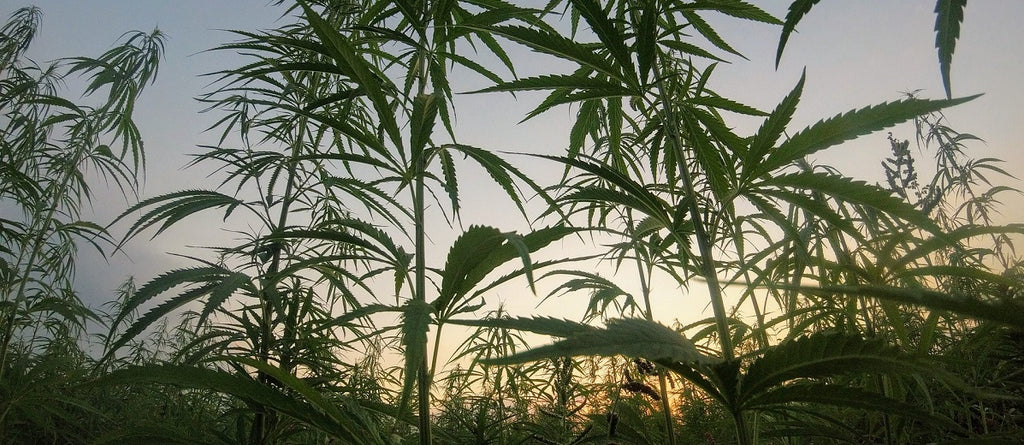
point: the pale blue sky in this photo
(856, 53)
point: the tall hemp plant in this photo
(52, 148)
(337, 158)
(684, 178)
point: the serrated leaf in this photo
(1002, 310)
(502, 173)
(797, 10)
(843, 396)
(948, 16)
(630, 337)
(847, 126)
(558, 46)
(416, 321)
(170, 208)
(822, 355)
(722, 103)
(856, 192)
(608, 34)
(708, 32)
(246, 388)
(577, 81)
(424, 116)
(479, 251)
(737, 8)
(772, 128)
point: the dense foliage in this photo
(842, 311)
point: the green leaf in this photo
(856, 192)
(725, 104)
(1001, 310)
(502, 173)
(245, 388)
(772, 128)
(797, 10)
(415, 325)
(481, 250)
(948, 16)
(558, 46)
(689, 49)
(709, 33)
(345, 54)
(170, 208)
(843, 396)
(844, 127)
(737, 8)
(608, 34)
(823, 355)
(629, 337)
(576, 81)
(424, 116)
(462, 270)
(156, 314)
(208, 279)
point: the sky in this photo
(855, 53)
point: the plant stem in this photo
(707, 266)
(645, 291)
(422, 377)
(58, 191)
(708, 270)
(262, 420)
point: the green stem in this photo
(263, 420)
(707, 266)
(422, 377)
(58, 191)
(708, 270)
(645, 291)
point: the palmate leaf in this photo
(593, 13)
(853, 191)
(923, 249)
(847, 126)
(462, 270)
(603, 292)
(948, 16)
(1000, 310)
(349, 425)
(217, 282)
(481, 250)
(822, 355)
(341, 49)
(846, 397)
(170, 208)
(503, 173)
(625, 336)
(557, 45)
(629, 191)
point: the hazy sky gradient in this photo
(856, 53)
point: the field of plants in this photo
(842, 310)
